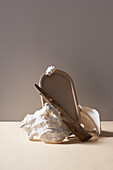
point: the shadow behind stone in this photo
(106, 134)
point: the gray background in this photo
(74, 35)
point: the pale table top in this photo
(18, 153)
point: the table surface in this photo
(18, 153)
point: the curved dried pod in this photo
(90, 118)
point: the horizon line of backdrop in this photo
(74, 35)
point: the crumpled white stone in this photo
(46, 125)
(90, 119)
(50, 70)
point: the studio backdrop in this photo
(74, 35)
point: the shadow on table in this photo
(95, 138)
(106, 134)
(74, 140)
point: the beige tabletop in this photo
(18, 153)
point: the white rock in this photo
(46, 125)
(50, 70)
